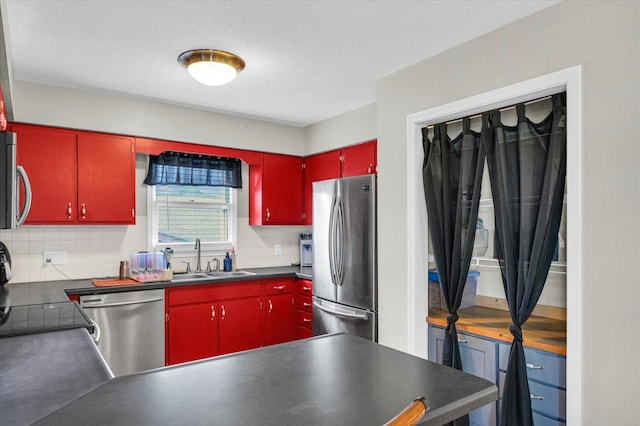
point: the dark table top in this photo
(42, 372)
(334, 379)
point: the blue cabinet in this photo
(488, 359)
(478, 358)
(547, 374)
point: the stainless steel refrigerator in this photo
(345, 283)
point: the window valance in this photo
(179, 168)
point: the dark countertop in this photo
(56, 291)
(40, 373)
(326, 380)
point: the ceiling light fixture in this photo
(211, 67)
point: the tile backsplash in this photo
(96, 251)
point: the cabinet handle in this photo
(534, 366)
(166, 317)
(270, 306)
(268, 214)
(462, 340)
(306, 320)
(279, 287)
(83, 211)
(69, 210)
(213, 312)
(222, 312)
(261, 305)
(306, 288)
(370, 168)
(306, 304)
(538, 397)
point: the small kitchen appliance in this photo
(306, 250)
(11, 216)
(5, 264)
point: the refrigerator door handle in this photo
(339, 235)
(353, 314)
(332, 241)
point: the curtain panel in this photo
(177, 168)
(527, 170)
(452, 178)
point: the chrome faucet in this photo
(198, 264)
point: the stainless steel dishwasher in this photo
(131, 324)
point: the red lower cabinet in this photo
(279, 307)
(304, 318)
(240, 323)
(192, 332)
(208, 320)
(214, 319)
(279, 319)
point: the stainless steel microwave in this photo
(12, 214)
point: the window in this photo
(180, 214)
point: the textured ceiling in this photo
(306, 60)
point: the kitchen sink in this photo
(196, 276)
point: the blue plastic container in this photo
(468, 294)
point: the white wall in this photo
(347, 129)
(55, 106)
(603, 38)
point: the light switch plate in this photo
(278, 250)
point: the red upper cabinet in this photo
(276, 191)
(353, 160)
(359, 160)
(49, 157)
(318, 167)
(77, 177)
(106, 178)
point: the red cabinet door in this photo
(192, 332)
(359, 159)
(280, 324)
(106, 178)
(240, 324)
(49, 157)
(317, 167)
(281, 190)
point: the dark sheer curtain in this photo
(527, 168)
(177, 168)
(452, 177)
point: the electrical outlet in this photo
(54, 257)
(278, 250)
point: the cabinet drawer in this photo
(210, 293)
(305, 303)
(545, 399)
(305, 287)
(540, 420)
(279, 286)
(304, 319)
(542, 366)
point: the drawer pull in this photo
(534, 367)
(306, 320)
(538, 397)
(462, 340)
(279, 287)
(306, 304)
(306, 288)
